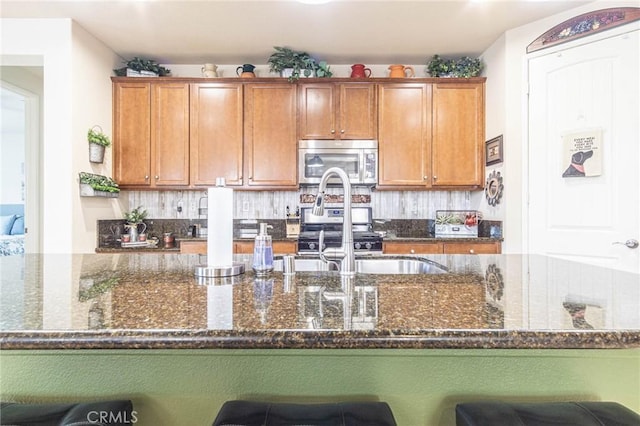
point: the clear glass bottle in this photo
(263, 252)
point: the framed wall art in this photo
(494, 153)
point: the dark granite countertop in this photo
(141, 300)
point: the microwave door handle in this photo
(363, 162)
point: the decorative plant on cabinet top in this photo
(463, 67)
(300, 63)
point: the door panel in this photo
(216, 133)
(591, 88)
(170, 134)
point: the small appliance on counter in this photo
(457, 223)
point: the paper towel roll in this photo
(220, 227)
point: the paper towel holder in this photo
(207, 271)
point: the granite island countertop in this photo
(146, 301)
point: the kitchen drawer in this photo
(411, 247)
(472, 248)
(239, 247)
(197, 247)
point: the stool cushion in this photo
(253, 413)
(101, 413)
(545, 414)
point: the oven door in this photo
(313, 162)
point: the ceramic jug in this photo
(400, 71)
(210, 70)
(360, 71)
(246, 71)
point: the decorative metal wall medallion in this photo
(494, 282)
(493, 188)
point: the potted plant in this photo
(295, 64)
(98, 141)
(135, 218)
(463, 67)
(92, 185)
(138, 67)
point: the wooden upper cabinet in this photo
(404, 134)
(270, 144)
(132, 133)
(458, 135)
(338, 111)
(431, 135)
(170, 134)
(216, 133)
(151, 134)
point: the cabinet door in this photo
(472, 248)
(317, 111)
(404, 134)
(170, 134)
(412, 248)
(458, 134)
(357, 112)
(271, 152)
(132, 133)
(338, 111)
(216, 133)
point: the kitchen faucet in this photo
(345, 252)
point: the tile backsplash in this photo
(273, 204)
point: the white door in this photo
(584, 100)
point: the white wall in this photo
(92, 66)
(76, 96)
(506, 61)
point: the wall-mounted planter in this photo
(87, 191)
(98, 141)
(92, 185)
(96, 153)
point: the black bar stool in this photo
(490, 413)
(253, 413)
(99, 413)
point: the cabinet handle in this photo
(157, 177)
(333, 131)
(146, 177)
(412, 251)
(425, 177)
(342, 131)
(435, 177)
(471, 251)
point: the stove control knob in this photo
(312, 246)
(368, 246)
(357, 246)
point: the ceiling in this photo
(340, 32)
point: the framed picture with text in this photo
(494, 153)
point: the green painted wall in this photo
(187, 387)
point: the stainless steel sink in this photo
(398, 266)
(369, 265)
(303, 264)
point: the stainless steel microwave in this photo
(358, 158)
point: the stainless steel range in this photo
(364, 239)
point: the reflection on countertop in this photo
(140, 300)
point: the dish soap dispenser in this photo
(263, 252)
